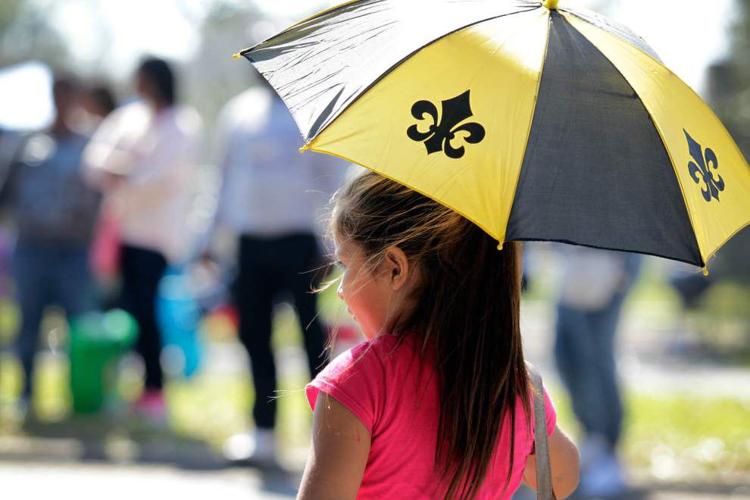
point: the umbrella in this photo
(534, 121)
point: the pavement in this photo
(39, 465)
(81, 481)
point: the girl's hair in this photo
(159, 73)
(466, 315)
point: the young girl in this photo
(437, 403)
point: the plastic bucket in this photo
(97, 342)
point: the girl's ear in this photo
(397, 267)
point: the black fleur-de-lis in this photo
(700, 169)
(441, 136)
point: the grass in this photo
(671, 437)
(689, 438)
(680, 438)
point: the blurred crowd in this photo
(96, 216)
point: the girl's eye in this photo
(339, 264)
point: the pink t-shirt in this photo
(395, 396)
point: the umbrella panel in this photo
(712, 173)
(596, 172)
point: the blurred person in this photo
(595, 284)
(142, 157)
(53, 213)
(98, 102)
(271, 196)
(10, 142)
(689, 285)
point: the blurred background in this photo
(683, 340)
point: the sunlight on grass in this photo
(9, 321)
(670, 437)
(685, 437)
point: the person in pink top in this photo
(438, 402)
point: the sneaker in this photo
(255, 449)
(151, 405)
(593, 449)
(21, 411)
(603, 478)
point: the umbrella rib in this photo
(531, 126)
(618, 30)
(322, 13)
(614, 249)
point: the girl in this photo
(437, 403)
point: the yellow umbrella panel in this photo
(452, 121)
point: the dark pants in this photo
(47, 274)
(585, 356)
(268, 268)
(141, 271)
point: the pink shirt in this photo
(395, 396)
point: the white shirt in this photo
(155, 153)
(269, 188)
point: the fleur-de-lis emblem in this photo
(447, 134)
(700, 169)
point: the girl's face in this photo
(368, 293)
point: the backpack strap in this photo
(543, 470)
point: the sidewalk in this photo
(82, 481)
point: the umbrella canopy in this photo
(534, 122)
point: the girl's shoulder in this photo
(369, 355)
(361, 377)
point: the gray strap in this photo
(543, 470)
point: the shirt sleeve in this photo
(104, 152)
(356, 379)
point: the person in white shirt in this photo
(142, 157)
(272, 198)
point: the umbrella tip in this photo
(705, 271)
(237, 55)
(550, 4)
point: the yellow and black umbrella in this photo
(535, 122)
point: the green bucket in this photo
(97, 342)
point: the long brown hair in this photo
(466, 314)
